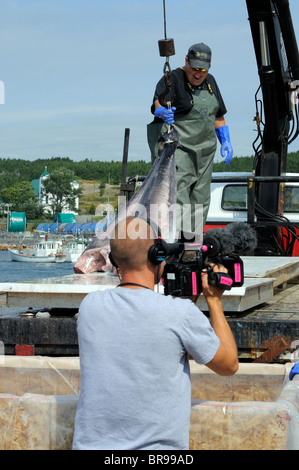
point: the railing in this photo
(251, 181)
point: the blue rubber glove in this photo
(294, 371)
(226, 146)
(166, 114)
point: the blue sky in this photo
(78, 72)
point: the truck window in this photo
(234, 197)
(291, 199)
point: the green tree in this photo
(17, 193)
(22, 198)
(92, 209)
(59, 187)
(6, 179)
(237, 164)
(31, 209)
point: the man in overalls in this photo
(198, 116)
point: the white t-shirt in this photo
(135, 379)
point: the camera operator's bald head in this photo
(130, 245)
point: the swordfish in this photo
(155, 201)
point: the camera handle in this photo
(221, 280)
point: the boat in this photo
(42, 252)
(71, 252)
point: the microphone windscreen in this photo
(236, 238)
(224, 240)
(244, 237)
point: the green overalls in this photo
(194, 160)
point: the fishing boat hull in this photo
(27, 257)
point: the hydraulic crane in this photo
(277, 59)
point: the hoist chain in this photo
(167, 81)
(166, 47)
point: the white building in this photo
(46, 199)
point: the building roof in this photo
(35, 184)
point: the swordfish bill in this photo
(155, 200)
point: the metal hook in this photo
(167, 81)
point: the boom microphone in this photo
(234, 239)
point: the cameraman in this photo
(134, 345)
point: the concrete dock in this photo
(265, 307)
(262, 275)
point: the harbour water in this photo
(12, 271)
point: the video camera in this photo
(186, 261)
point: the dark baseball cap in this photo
(200, 56)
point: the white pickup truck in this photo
(229, 200)
(229, 204)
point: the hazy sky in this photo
(78, 72)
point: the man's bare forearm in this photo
(225, 361)
(220, 324)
